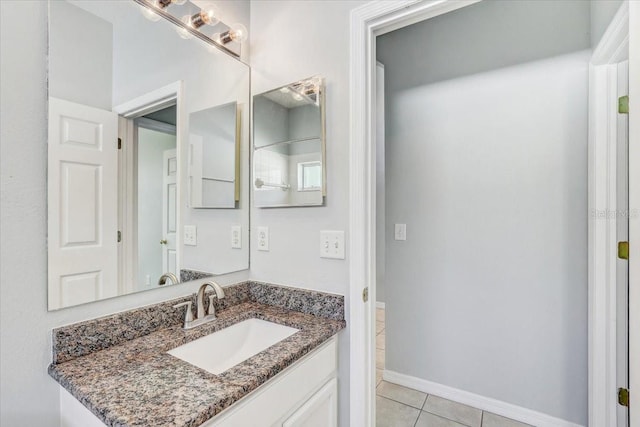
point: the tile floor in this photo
(398, 406)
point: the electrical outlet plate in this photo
(332, 244)
(190, 235)
(236, 237)
(401, 232)
(263, 238)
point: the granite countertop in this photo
(137, 383)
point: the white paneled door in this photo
(169, 207)
(82, 203)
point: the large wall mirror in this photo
(289, 145)
(148, 183)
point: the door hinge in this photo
(623, 250)
(119, 236)
(623, 105)
(623, 397)
(119, 144)
(365, 294)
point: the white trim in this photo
(367, 21)
(498, 407)
(634, 206)
(158, 126)
(150, 102)
(613, 47)
(380, 304)
(602, 303)
(602, 244)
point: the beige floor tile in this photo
(379, 314)
(378, 376)
(401, 394)
(393, 414)
(430, 420)
(493, 420)
(379, 359)
(379, 327)
(454, 411)
(380, 339)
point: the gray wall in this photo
(483, 37)
(602, 11)
(28, 396)
(78, 33)
(486, 143)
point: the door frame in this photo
(367, 22)
(634, 207)
(127, 130)
(376, 18)
(603, 147)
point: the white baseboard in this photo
(488, 404)
(379, 304)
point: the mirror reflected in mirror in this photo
(289, 145)
(126, 96)
(213, 156)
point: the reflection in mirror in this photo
(213, 154)
(122, 93)
(155, 178)
(289, 145)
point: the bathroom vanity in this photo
(118, 370)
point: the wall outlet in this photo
(401, 232)
(190, 235)
(332, 244)
(236, 237)
(263, 238)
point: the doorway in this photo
(155, 160)
(366, 23)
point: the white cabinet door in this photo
(321, 410)
(82, 203)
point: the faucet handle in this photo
(212, 309)
(188, 315)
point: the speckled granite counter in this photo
(130, 380)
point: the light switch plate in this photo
(263, 238)
(236, 237)
(190, 235)
(401, 232)
(332, 244)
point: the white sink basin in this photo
(226, 348)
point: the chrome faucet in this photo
(200, 299)
(201, 317)
(163, 279)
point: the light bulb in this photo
(149, 13)
(205, 17)
(297, 96)
(237, 33)
(284, 89)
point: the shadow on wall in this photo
(483, 37)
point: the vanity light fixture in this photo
(150, 13)
(191, 25)
(304, 90)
